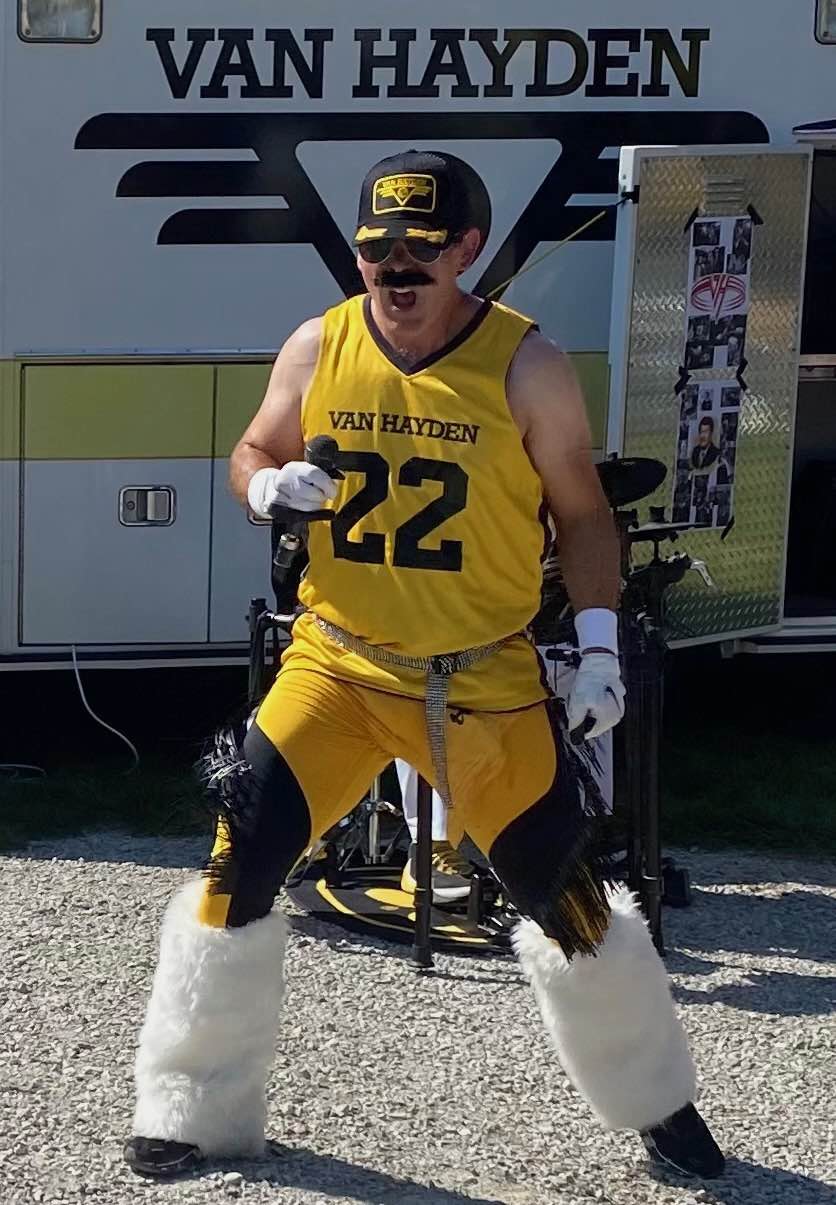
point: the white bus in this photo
(178, 184)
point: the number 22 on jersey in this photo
(408, 551)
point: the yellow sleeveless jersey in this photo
(438, 535)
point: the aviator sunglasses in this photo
(377, 250)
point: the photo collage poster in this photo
(719, 268)
(706, 454)
(718, 292)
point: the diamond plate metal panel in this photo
(748, 566)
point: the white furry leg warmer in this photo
(612, 1020)
(207, 1044)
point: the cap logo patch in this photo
(396, 194)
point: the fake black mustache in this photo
(402, 280)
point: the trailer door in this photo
(704, 344)
(117, 486)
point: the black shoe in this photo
(683, 1143)
(160, 1156)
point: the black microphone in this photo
(323, 451)
(289, 531)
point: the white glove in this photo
(299, 485)
(597, 691)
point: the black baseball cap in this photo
(422, 194)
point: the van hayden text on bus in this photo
(405, 63)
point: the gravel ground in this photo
(392, 1088)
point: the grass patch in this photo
(739, 766)
(778, 793)
(158, 799)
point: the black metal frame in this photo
(642, 638)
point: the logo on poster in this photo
(719, 294)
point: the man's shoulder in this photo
(541, 381)
(309, 332)
(536, 358)
(536, 348)
(302, 345)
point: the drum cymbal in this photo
(628, 479)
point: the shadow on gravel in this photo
(122, 849)
(755, 1184)
(779, 993)
(289, 1167)
(795, 924)
(757, 867)
(471, 967)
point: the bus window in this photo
(60, 20)
(826, 28)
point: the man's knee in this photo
(263, 827)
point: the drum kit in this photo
(352, 875)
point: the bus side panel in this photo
(95, 572)
(240, 549)
(9, 501)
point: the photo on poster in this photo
(706, 234)
(723, 494)
(688, 403)
(728, 437)
(706, 454)
(719, 265)
(742, 238)
(708, 261)
(736, 264)
(735, 340)
(681, 510)
(699, 352)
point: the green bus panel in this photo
(594, 376)
(240, 391)
(117, 411)
(9, 410)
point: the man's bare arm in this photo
(547, 403)
(275, 434)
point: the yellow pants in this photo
(316, 744)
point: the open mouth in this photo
(401, 287)
(402, 299)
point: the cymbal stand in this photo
(642, 637)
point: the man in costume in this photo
(459, 427)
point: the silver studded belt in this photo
(438, 671)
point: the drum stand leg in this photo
(633, 757)
(644, 652)
(652, 718)
(258, 624)
(422, 948)
(374, 823)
